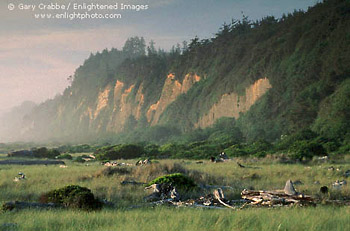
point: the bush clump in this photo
(178, 180)
(72, 196)
(122, 151)
(64, 157)
(45, 153)
(304, 150)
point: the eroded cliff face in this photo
(127, 102)
(102, 100)
(125, 106)
(171, 90)
(230, 105)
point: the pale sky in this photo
(37, 55)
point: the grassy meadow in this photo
(130, 212)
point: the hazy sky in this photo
(37, 55)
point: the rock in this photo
(316, 182)
(289, 188)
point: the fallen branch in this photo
(279, 197)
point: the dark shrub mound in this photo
(72, 196)
(177, 180)
(64, 157)
(45, 153)
(122, 151)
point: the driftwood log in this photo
(288, 196)
(275, 197)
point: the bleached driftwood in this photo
(271, 198)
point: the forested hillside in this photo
(271, 78)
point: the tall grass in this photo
(319, 218)
(104, 185)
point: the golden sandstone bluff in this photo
(123, 106)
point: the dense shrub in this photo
(345, 149)
(72, 196)
(152, 150)
(287, 140)
(45, 153)
(304, 150)
(64, 156)
(236, 150)
(77, 148)
(258, 147)
(122, 151)
(171, 149)
(177, 180)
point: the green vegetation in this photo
(45, 153)
(76, 148)
(64, 156)
(263, 174)
(305, 115)
(312, 219)
(72, 196)
(303, 54)
(306, 150)
(178, 180)
(123, 151)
